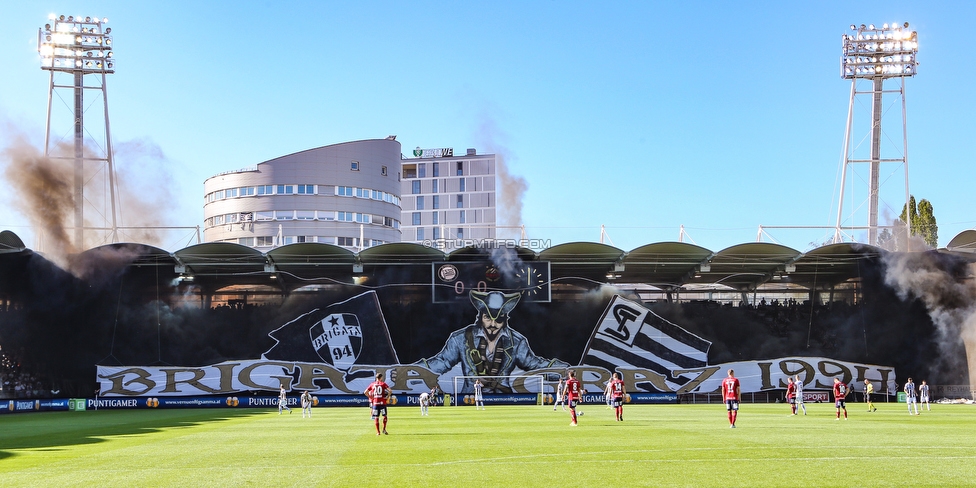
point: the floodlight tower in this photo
(874, 55)
(81, 47)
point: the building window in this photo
(434, 216)
(420, 202)
(265, 189)
(306, 189)
(230, 192)
(461, 184)
(437, 232)
(383, 171)
(344, 191)
(246, 241)
(460, 168)
(416, 218)
(354, 166)
(461, 217)
(415, 187)
(420, 233)
(460, 233)
(435, 202)
(347, 241)
(286, 189)
(305, 215)
(264, 241)
(246, 191)
(436, 170)
(421, 170)
(345, 216)
(460, 201)
(433, 186)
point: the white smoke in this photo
(947, 287)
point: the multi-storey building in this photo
(448, 201)
(345, 194)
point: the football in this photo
(581, 413)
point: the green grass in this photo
(656, 445)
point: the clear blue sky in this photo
(640, 116)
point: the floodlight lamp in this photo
(853, 27)
(88, 19)
(885, 26)
(108, 30)
(906, 25)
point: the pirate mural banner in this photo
(338, 349)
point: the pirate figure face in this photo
(493, 308)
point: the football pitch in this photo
(655, 445)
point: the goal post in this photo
(511, 384)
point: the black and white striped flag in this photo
(630, 336)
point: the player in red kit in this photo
(731, 394)
(617, 392)
(378, 393)
(572, 393)
(791, 395)
(840, 393)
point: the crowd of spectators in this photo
(17, 382)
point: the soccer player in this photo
(799, 394)
(306, 404)
(910, 396)
(572, 391)
(424, 403)
(479, 401)
(560, 399)
(868, 391)
(731, 395)
(283, 400)
(923, 393)
(840, 393)
(378, 393)
(617, 392)
(791, 395)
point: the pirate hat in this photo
(494, 303)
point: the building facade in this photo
(346, 194)
(448, 201)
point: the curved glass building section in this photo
(346, 194)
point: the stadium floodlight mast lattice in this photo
(875, 54)
(80, 46)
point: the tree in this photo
(923, 222)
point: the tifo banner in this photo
(339, 349)
(630, 336)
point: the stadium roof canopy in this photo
(663, 265)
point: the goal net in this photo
(519, 384)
